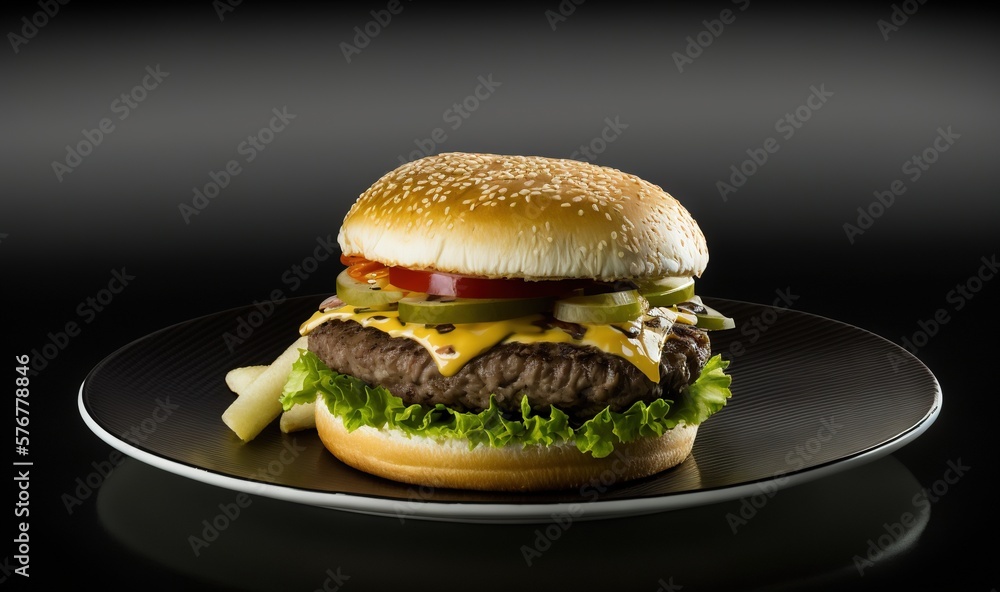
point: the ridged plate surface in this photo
(810, 396)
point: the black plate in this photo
(811, 396)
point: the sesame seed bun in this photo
(450, 464)
(523, 217)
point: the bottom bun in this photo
(449, 463)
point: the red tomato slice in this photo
(362, 269)
(370, 270)
(464, 286)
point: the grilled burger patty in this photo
(579, 380)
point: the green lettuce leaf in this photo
(359, 404)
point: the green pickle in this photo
(613, 307)
(450, 310)
(714, 320)
(358, 293)
(667, 291)
(709, 319)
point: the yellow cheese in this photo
(451, 348)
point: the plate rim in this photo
(494, 512)
(491, 512)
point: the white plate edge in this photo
(508, 513)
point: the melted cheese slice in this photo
(636, 341)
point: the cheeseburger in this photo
(512, 323)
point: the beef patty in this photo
(579, 380)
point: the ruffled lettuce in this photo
(359, 404)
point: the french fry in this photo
(238, 379)
(258, 406)
(299, 417)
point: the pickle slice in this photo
(709, 319)
(448, 310)
(358, 293)
(715, 321)
(667, 291)
(612, 307)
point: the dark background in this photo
(557, 84)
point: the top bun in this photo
(523, 217)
